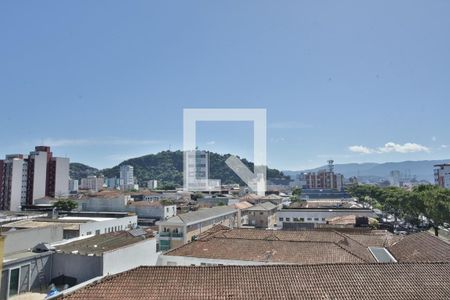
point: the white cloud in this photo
(389, 148)
(360, 149)
(289, 125)
(434, 139)
(405, 148)
(210, 143)
(444, 146)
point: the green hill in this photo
(167, 167)
(78, 171)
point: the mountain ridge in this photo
(422, 169)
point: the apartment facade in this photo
(184, 228)
(23, 179)
(127, 177)
(442, 175)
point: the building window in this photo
(295, 219)
(281, 219)
(309, 219)
(14, 281)
(316, 219)
(97, 232)
(288, 219)
(323, 219)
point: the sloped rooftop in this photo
(330, 281)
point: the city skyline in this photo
(102, 92)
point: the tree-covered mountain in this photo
(78, 171)
(167, 167)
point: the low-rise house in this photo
(319, 215)
(159, 210)
(25, 270)
(330, 281)
(225, 246)
(81, 224)
(262, 215)
(184, 228)
(421, 247)
(104, 254)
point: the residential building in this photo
(24, 270)
(318, 215)
(225, 246)
(184, 228)
(126, 177)
(112, 183)
(104, 254)
(442, 175)
(115, 201)
(262, 215)
(35, 258)
(81, 224)
(73, 186)
(323, 179)
(92, 183)
(196, 172)
(152, 184)
(14, 180)
(330, 281)
(27, 178)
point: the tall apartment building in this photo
(442, 175)
(196, 171)
(24, 179)
(126, 177)
(323, 179)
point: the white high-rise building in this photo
(152, 184)
(14, 187)
(73, 186)
(126, 177)
(37, 174)
(442, 175)
(61, 176)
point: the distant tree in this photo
(296, 193)
(65, 205)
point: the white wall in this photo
(108, 225)
(16, 183)
(166, 260)
(62, 177)
(40, 175)
(105, 204)
(138, 254)
(318, 217)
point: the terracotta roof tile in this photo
(421, 247)
(339, 281)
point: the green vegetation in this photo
(167, 168)
(430, 201)
(66, 205)
(296, 193)
(78, 171)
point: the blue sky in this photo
(102, 81)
